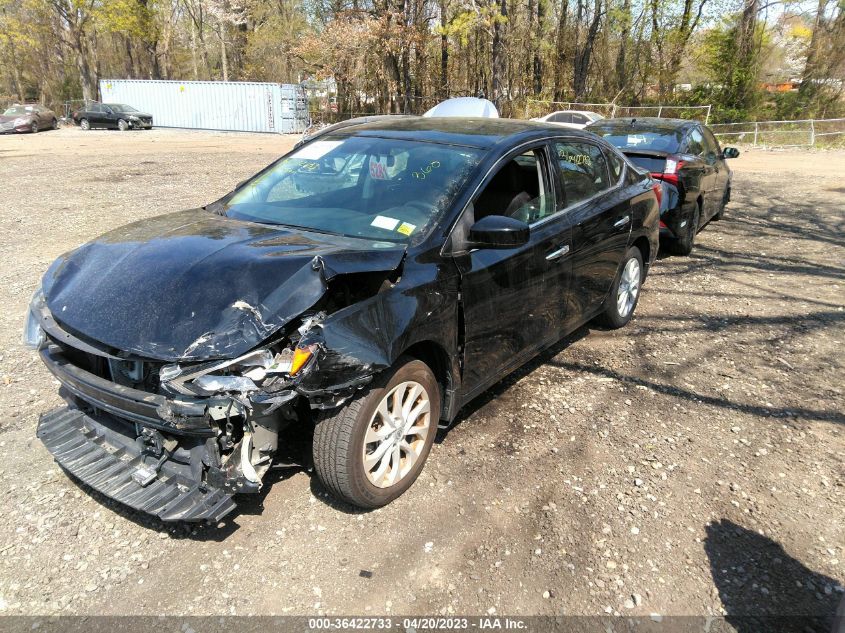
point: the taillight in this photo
(670, 171)
(658, 192)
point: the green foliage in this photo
(128, 17)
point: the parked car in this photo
(363, 287)
(112, 116)
(575, 119)
(27, 118)
(684, 155)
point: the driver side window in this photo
(520, 190)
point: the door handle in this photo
(563, 250)
(622, 222)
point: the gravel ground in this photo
(690, 463)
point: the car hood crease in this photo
(198, 286)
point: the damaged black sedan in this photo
(363, 288)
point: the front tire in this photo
(34, 127)
(371, 450)
(122, 125)
(625, 292)
(55, 124)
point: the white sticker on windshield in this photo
(383, 222)
(316, 150)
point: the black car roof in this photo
(481, 133)
(653, 123)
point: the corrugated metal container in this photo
(239, 106)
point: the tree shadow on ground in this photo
(765, 589)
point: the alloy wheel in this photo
(34, 127)
(629, 287)
(396, 435)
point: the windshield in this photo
(373, 188)
(120, 107)
(17, 111)
(634, 137)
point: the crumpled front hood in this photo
(198, 286)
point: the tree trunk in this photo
(560, 52)
(444, 53)
(224, 62)
(621, 55)
(583, 53)
(83, 66)
(537, 36)
(16, 72)
(499, 59)
(807, 88)
(194, 66)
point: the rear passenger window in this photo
(616, 166)
(695, 145)
(583, 170)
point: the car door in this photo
(600, 215)
(108, 116)
(94, 114)
(723, 172)
(509, 295)
(709, 176)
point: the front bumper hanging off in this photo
(92, 452)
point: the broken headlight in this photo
(33, 333)
(245, 374)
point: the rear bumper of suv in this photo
(98, 452)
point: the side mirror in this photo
(498, 231)
(730, 152)
(241, 184)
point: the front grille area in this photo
(137, 374)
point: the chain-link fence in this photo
(799, 133)
(538, 107)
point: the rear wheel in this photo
(84, 124)
(122, 125)
(371, 450)
(683, 245)
(625, 293)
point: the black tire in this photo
(34, 127)
(84, 124)
(683, 245)
(55, 124)
(122, 125)
(338, 446)
(611, 317)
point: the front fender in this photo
(361, 340)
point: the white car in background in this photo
(577, 119)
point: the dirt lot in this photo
(691, 463)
